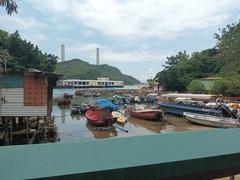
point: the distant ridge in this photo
(79, 69)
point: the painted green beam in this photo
(182, 155)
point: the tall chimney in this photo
(62, 53)
(97, 57)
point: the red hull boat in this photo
(99, 117)
(152, 115)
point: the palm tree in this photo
(11, 6)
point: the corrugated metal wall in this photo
(14, 104)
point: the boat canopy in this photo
(192, 96)
(105, 103)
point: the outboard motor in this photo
(226, 111)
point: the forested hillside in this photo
(223, 61)
(78, 69)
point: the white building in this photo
(99, 83)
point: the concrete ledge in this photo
(202, 155)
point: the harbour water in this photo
(74, 128)
(60, 92)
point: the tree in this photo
(196, 87)
(171, 78)
(151, 82)
(22, 55)
(11, 6)
(172, 61)
(229, 86)
(222, 60)
(229, 48)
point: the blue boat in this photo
(105, 103)
(179, 108)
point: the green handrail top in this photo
(119, 155)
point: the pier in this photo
(99, 83)
(188, 155)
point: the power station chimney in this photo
(97, 57)
(62, 53)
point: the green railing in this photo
(183, 155)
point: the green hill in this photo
(78, 69)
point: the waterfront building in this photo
(102, 82)
(26, 94)
(25, 99)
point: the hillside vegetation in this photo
(223, 61)
(78, 69)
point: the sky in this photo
(135, 36)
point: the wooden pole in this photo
(5, 66)
(45, 130)
(27, 129)
(10, 132)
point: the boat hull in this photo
(147, 115)
(179, 109)
(212, 121)
(99, 117)
(119, 117)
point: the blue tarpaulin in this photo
(105, 103)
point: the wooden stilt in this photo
(27, 131)
(45, 130)
(10, 131)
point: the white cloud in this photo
(12, 23)
(28, 27)
(142, 18)
(108, 55)
(133, 56)
(91, 47)
(52, 6)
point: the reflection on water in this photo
(153, 126)
(75, 127)
(102, 133)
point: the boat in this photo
(119, 117)
(99, 117)
(212, 121)
(179, 108)
(152, 115)
(105, 103)
(77, 109)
